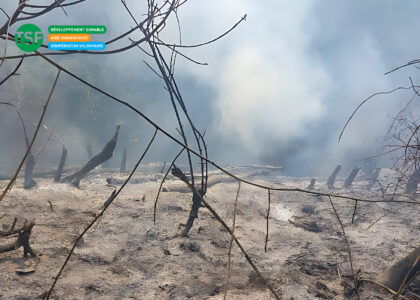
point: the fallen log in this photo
(95, 161)
(22, 240)
(57, 176)
(401, 272)
(333, 176)
(310, 226)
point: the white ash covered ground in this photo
(126, 256)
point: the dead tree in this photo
(30, 159)
(332, 177)
(22, 239)
(95, 161)
(29, 168)
(123, 167)
(311, 186)
(352, 176)
(63, 158)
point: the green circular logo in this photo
(29, 37)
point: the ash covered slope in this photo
(126, 256)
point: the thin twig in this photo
(354, 212)
(267, 217)
(347, 243)
(231, 243)
(364, 101)
(13, 72)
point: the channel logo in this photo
(29, 37)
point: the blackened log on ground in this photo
(373, 178)
(29, 168)
(311, 186)
(123, 167)
(352, 176)
(57, 176)
(22, 240)
(394, 276)
(332, 177)
(95, 161)
(306, 225)
(413, 182)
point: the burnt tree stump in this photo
(333, 176)
(349, 181)
(311, 186)
(123, 167)
(29, 168)
(57, 176)
(95, 161)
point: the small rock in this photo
(308, 209)
(174, 208)
(190, 246)
(25, 271)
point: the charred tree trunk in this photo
(401, 271)
(29, 168)
(193, 212)
(311, 186)
(373, 178)
(196, 200)
(95, 161)
(332, 177)
(352, 176)
(123, 167)
(413, 182)
(63, 158)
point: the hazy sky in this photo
(279, 88)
